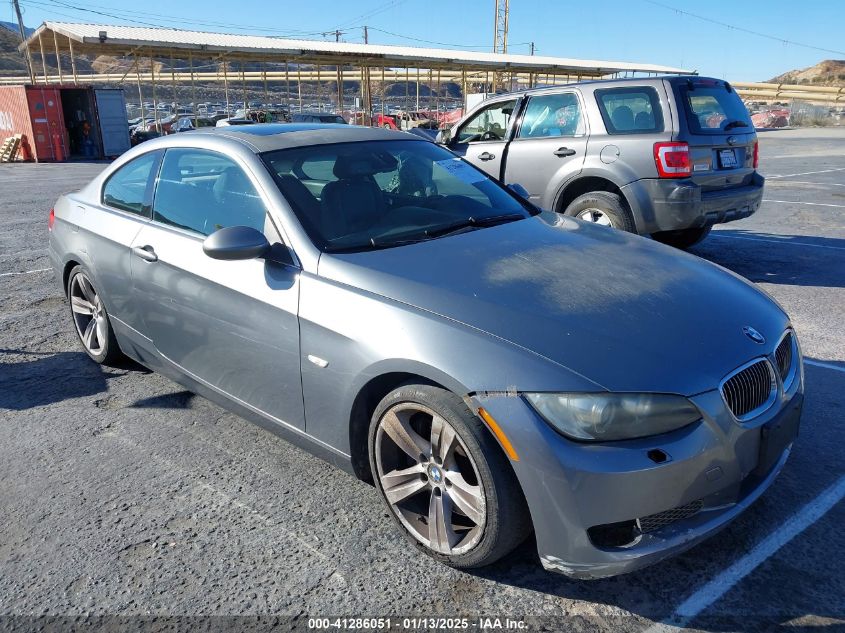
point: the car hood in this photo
(626, 312)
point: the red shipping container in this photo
(36, 113)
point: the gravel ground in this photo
(122, 494)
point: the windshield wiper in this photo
(734, 124)
(487, 220)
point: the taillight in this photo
(756, 154)
(672, 160)
(51, 220)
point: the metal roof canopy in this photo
(128, 40)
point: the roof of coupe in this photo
(265, 137)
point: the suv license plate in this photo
(727, 158)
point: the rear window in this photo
(630, 110)
(714, 108)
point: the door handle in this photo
(486, 156)
(563, 152)
(146, 253)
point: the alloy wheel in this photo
(89, 315)
(429, 479)
(596, 216)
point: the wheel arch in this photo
(585, 183)
(69, 265)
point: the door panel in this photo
(232, 324)
(482, 140)
(111, 112)
(549, 145)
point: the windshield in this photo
(715, 108)
(380, 194)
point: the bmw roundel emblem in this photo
(753, 334)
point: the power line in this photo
(743, 29)
(391, 4)
(130, 15)
(447, 44)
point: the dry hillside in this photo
(830, 72)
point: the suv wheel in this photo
(444, 478)
(684, 238)
(604, 208)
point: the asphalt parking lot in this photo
(120, 493)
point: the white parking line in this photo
(820, 184)
(806, 173)
(26, 272)
(818, 363)
(813, 204)
(722, 583)
(784, 242)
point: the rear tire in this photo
(684, 238)
(457, 473)
(602, 207)
(90, 319)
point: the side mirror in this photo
(235, 243)
(443, 137)
(519, 190)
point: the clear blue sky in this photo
(619, 30)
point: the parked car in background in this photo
(669, 157)
(234, 121)
(490, 367)
(186, 124)
(316, 117)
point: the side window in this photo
(126, 189)
(552, 115)
(634, 110)
(203, 191)
(490, 124)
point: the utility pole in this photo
(23, 41)
(532, 48)
(337, 34)
(500, 35)
(368, 96)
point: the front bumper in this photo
(717, 466)
(669, 205)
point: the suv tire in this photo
(684, 238)
(601, 207)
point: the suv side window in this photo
(630, 110)
(491, 124)
(552, 115)
(203, 191)
(128, 189)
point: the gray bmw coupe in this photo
(492, 368)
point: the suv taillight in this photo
(756, 154)
(51, 219)
(672, 160)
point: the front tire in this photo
(603, 208)
(444, 478)
(684, 238)
(91, 319)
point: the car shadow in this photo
(49, 378)
(177, 400)
(793, 260)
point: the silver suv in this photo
(669, 156)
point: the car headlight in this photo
(613, 416)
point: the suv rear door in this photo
(716, 125)
(548, 146)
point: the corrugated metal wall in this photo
(48, 124)
(14, 115)
(36, 113)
